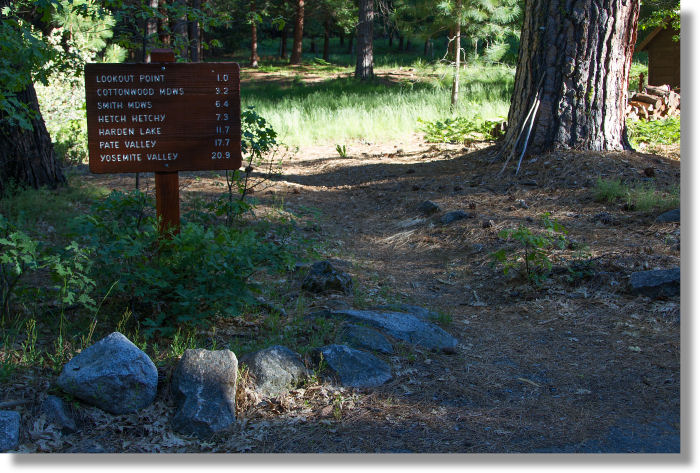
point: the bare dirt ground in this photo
(572, 366)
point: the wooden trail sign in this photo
(163, 117)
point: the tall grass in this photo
(342, 109)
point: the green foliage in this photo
(642, 197)
(342, 151)
(18, 255)
(186, 280)
(460, 130)
(532, 253)
(666, 131)
(609, 190)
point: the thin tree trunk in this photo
(391, 39)
(193, 30)
(163, 22)
(457, 48)
(27, 157)
(342, 37)
(401, 42)
(326, 39)
(313, 45)
(181, 38)
(283, 43)
(350, 42)
(408, 44)
(298, 34)
(253, 38)
(582, 59)
(364, 68)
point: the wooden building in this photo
(664, 57)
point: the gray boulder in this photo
(355, 368)
(670, 216)
(418, 311)
(358, 336)
(113, 374)
(204, 387)
(9, 430)
(406, 327)
(57, 413)
(455, 215)
(429, 207)
(656, 283)
(276, 369)
(324, 277)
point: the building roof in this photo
(643, 45)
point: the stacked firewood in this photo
(653, 103)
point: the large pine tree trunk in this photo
(27, 157)
(364, 68)
(298, 34)
(578, 54)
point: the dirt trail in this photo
(580, 366)
(571, 366)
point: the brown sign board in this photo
(163, 117)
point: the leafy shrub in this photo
(459, 130)
(533, 250)
(18, 255)
(186, 280)
(666, 131)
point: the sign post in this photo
(167, 183)
(163, 117)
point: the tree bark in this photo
(193, 30)
(350, 43)
(180, 33)
(253, 38)
(27, 157)
(298, 34)
(581, 54)
(326, 39)
(454, 99)
(364, 68)
(283, 43)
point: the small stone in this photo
(455, 215)
(9, 430)
(487, 223)
(204, 387)
(324, 277)
(56, 412)
(523, 205)
(603, 217)
(358, 336)
(656, 283)
(649, 172)
(276, 370)
(428, 207)
(670, 216)
(354, 368)
(113, 374)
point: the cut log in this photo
(662, 90)
(654, 100)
